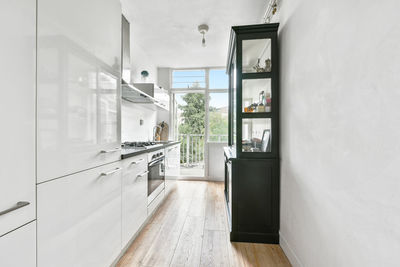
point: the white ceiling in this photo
(167, 29)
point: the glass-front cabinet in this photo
(254, 94)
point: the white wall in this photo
(340, 130)
(131, 114)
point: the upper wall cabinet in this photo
(78, 85)
(17, 113)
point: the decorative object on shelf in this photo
(257, 67)
(203, 29)
(268, 67)
(268, 101)
(144, 74)
(261, 105)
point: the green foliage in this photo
(193, 114)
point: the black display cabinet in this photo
(252, 158)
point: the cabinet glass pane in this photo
(256, 95)
(256, 55)
(256, 135)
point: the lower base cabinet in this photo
(134, 196)
(18, 248)
(252, 198)
(79, 218)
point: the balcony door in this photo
(190, 130)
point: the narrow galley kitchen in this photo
(199, 133)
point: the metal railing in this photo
(192, 148)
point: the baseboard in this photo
(267, 238)
(290, 254)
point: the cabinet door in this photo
(18, 248)
(78, 85)
(172, 161)
(134, 196)
(79, 218)
(17, 112)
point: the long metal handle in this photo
(19, 205)
(151, 164)
(111, 150)
(110, 172)
(136, 162)
(142, 174)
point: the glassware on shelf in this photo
(253, 89)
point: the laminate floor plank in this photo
(191, 229)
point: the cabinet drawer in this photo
(134, 196)
(18, 247)
(79, 218)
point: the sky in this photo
(218, 80)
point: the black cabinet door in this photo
(257, 199)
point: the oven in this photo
(156, 175)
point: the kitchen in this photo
(199, 133)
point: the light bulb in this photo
(203, 42)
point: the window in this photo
(218, 106)
(218, 79)
(213, 82)
(218, 117)
(187, 79)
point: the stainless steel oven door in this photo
(156, 179)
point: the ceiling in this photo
(167, 29)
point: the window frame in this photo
(207, 91)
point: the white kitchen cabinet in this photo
(78, 86)
(79, 218)
(172, 161)
(18, 248)
(134, 196)
(172, 166)
(17, 113)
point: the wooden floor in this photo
(190, 229)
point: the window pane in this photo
(218, 79)
(256, 55)
(256, 135)
(189, 79)
(218, 117)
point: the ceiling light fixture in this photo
(203, 28)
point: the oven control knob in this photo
(153, 157)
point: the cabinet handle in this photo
(136, 162)
(111, 150)
(142, 174)
(169, 150)
(19, 205)
(110, 172)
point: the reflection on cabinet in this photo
(18, 248)
(79, 218)
(17, 114)
(134, 196)
(78, 86)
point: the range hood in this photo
(131, 92)
(134, 95)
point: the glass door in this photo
(189, 123)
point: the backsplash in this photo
(131, 114)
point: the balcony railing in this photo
(192, 148)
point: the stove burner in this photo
(138, 144)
